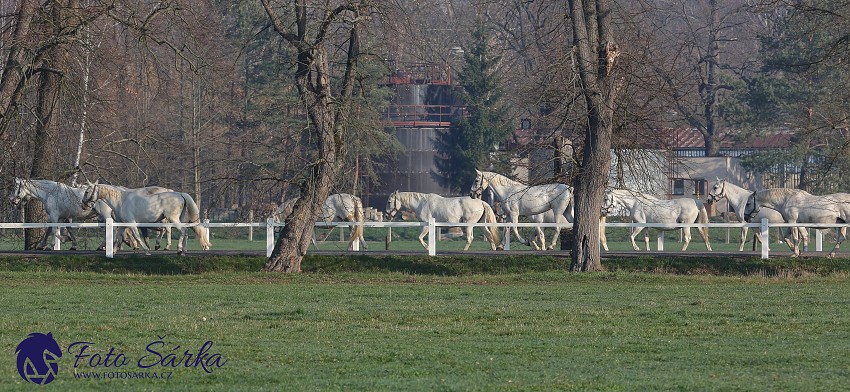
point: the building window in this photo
(678, 186)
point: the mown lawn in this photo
(409, 323)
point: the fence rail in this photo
(269, 226)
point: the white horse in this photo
(337, 207)
(737, 197)
(799, 206)
(519, 199)
(644, 208)
(130, 206)
(62, 203)
(448, 210)
(129, 239)
(344, 207)
(103, 212)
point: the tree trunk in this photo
(17, 67)
(328, 114)
(47, 123)
(595, 52)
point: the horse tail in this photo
(192, 214)
(490, 217)
(703, 218)
(358, 219)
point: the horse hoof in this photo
(167, 248)
(500, 247)
(157, 248)
(73, 248)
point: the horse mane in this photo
(111, 192)
(773, 193)
(499, 179)
(416, 196)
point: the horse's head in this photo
(90, 194)
(393, 205)
(478, 186)
(19, 192)
(752, 208)
(608, 203)
(717, 192)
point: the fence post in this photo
(819, 240)
(765, 239)
(206, 225)
(57, 237)
(355, 246)
(660, 241)
(269, 236)
(251, 228)
(110, 239)
(432, 237)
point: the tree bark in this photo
(595, 52)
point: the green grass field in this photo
(411, 323)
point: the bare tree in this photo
(595, 54)
(313, 32)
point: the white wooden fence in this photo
(433, 226)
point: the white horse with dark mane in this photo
(446, 210)
(129, 206)
(737, 197)
(799, 206)
(518, 199)
(62, 203)
(644, 208)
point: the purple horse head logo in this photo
(38, 358)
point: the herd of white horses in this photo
(548, 203)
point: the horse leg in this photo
(791, 242)
(515, 219)
(743, 238)
(555, 239)
(422, 235)
(842, 232)
(469, 237)
(704, 233)
(73, 239)
(803, 233)
(182, 242)
(167, 238)
(792, 239)
(687, 239)
(635, 232)
(602, 237)
(542, 235)
(134, 231)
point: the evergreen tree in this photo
(472, 143)
(803, 90)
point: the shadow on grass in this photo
(424, 265)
